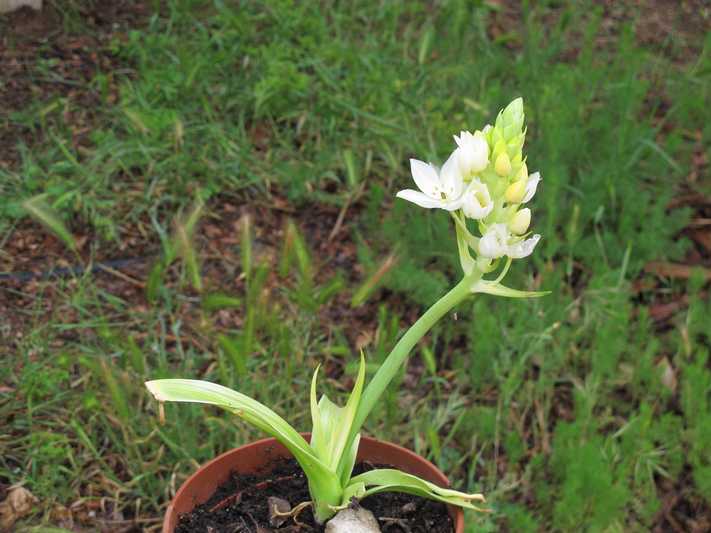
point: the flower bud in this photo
(515, 192)
(499, 148)
(510, 121)
(503, 165)
(523, 172)
(520, 221)
(472, 152)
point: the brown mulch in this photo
(652, 287)
(44, 66)
(671, 28)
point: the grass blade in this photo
(43, 213)
(367, 288)
(237, 355)
(246, 245)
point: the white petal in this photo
(453, 205)
(425, 177)
(531, 186)
(523, 248)
(493, 243)
(477, 202)
(463, 138)
(479, 150)
(451, 177)
(473, 152)
(416, 197)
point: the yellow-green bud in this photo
(523, 172)
(503, 165)
(515, 192)
(520, 221)
(499, 148)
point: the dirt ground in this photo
(70, 60)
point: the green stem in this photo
(390, 367)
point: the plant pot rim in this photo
(257, 455)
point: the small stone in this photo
(277, 507)
(7, 6)
(357, 520)
(409, 508)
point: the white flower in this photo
(443, 190)
(472, 152)
(477, 202)
(531, 186)
(498, 241)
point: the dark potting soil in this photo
(241, 505)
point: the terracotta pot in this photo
(258, 456)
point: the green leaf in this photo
(238, 356)
(155, 280)
(215, 301)
(496, 289)
(323, 482)
(390, 480)
(330, 438)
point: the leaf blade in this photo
(391, 480)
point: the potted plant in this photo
(486, 180)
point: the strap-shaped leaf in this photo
(389, 480)
(330, 438)
(348, 461)
(322, 480)
(496, 289)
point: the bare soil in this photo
(241, 505)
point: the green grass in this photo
(555, 407)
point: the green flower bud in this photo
(496, 138)
(520, 221)
(503, 165)
(510, 131)
(499, 148)
(510, 121)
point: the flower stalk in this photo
(397, 357)
(483, 185)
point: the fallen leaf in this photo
(667, 374)
(703, 238)
(674, 270)
(692, 199)
(662, 311)
(18, 503)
